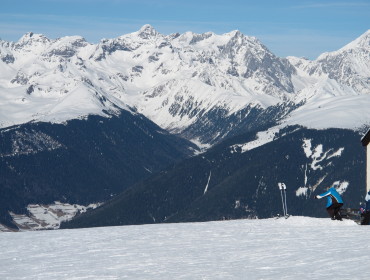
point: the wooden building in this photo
(365, 142)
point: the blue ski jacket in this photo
(332, 197)
(367, 199)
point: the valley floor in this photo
(296, 248)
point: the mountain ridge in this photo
(177, 80)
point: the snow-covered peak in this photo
(66, 46)
(248, 47)
(238, 37)
(31, 38)
(147, 32)
(234, 33)
(348, 65)
(147, 35)
(148, 29)
(32, 44)
(192, 40)
(172, 79)
(361, 42)
(72, 40)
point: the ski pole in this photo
(282, 199)
(286, 206)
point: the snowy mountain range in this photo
(81, 123)
(186, 83)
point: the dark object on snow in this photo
(365, 212)
(365, 218)
(334, 211)
(351, 214)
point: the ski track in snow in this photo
(296, 248)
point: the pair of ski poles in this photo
(282, 188)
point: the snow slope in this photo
(296, 248)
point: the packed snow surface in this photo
(294, 248)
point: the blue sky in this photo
(287, 27)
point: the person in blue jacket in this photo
(334, 203)
(365, 211)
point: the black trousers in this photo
(365, 218)
(333, 211)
